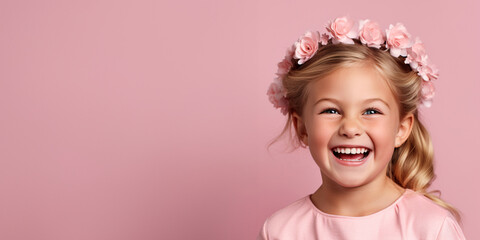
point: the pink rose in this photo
(277, 96)
(284, 67)
(306, 46)
(428, 72)
(342, 30)
(324, 39)
(398, 40)
(428, 92)
(416, 55)
(370, 34)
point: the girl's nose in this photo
(350, 128)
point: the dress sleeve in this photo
(263, 235)
(450, 230)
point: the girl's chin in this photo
(351, 183)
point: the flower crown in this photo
(396, 39)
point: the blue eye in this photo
(372, 111)
(330, 111)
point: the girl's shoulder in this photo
(288, 219)
(294, 210)
(426, 216)
(416, 204)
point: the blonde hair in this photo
(411, 165)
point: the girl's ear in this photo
(300, 128)
(404, 129)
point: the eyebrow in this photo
(365, 101)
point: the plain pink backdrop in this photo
(150, 120)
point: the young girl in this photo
(352, 98)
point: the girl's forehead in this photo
(351, 84)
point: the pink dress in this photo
(412, 216)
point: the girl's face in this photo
(352, 125)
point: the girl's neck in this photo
(358, 201)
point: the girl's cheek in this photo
(381, 130)
(324, 131)
(324, 124)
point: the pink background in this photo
(149, 120)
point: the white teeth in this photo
(350, 150)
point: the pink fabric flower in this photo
(342, 30)
(284, 67)
(428, 72)
(428, 92)
(324, 39)
(306, 46)
(398, 40)
(290, 51)
(416, 55)
(370, 34)
(277, 96)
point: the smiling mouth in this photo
(351, 154)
